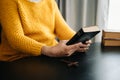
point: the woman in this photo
(30, 28)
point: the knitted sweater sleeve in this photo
(63, 31)
(12, 28)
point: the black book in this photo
(84, 34)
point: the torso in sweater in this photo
(27, 26)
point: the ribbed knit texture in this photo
(27, 26)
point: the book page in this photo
(90, 29)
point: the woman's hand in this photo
(62, 50)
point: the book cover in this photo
(108, 42)
(111, 34)
(111, 38)
(84, 34)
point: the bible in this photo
(84, 34)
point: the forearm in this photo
(25, 45)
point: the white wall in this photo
(102, 16)
(80, 13)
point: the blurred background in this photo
(85, 13)
(81, 13)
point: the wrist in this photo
(45, 50)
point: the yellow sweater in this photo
(27, 26)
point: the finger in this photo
(75, 46)
(83, 45)
(88, 42)
(82, 49)
(88, 45)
